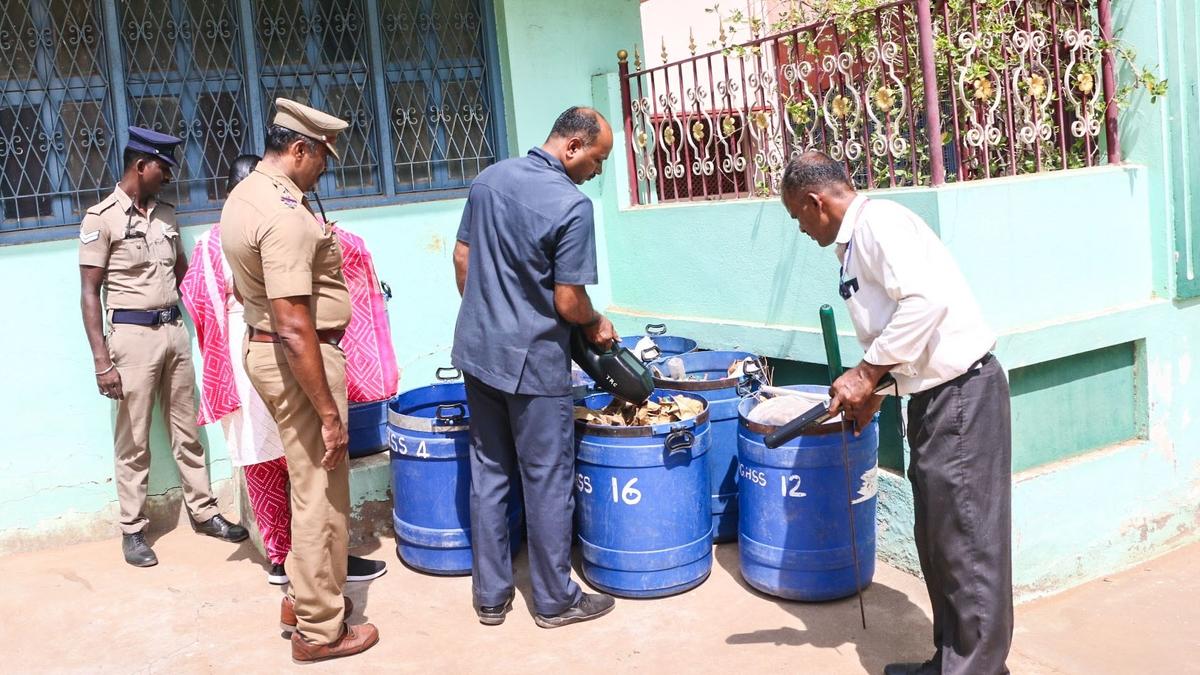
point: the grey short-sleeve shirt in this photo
(528, 227)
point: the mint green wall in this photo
(56, 458)
(1046, 395)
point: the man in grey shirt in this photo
(526, 249)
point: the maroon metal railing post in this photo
(1110, 83)
(627, 121)
(933, 112)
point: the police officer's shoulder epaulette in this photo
(102, 206)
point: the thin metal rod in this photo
(862, 608)
(1111, 137)
(833, 356)
(1060, 111)
(933, 115)
(627, 124)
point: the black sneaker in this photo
(277, 576)
(137, 552)
(493, 615)
(590, 606)
(361, 569)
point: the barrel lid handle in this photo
(450, 413)
(654, 329)
(448, 373)
(650, 353)
(680, 440)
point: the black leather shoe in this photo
(930, 667)
(220, 528)
(493, 615)
(590, 606)
(137, 552)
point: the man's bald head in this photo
(581, 139)
(578, 122)
(815, 171)
(816, 192)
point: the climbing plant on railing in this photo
(1019, 84)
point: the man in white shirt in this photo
(916, 319)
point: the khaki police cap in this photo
(311, 122)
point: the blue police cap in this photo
(160, 145)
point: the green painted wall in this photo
(56, 458)
(1047, 396)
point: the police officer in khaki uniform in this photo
(130, 252)
(287, 269)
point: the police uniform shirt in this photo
(909, 302)
(137, 251)
(528, 227)
(277, 248)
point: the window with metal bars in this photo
(416, 79)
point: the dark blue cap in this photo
(160, 145)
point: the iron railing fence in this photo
(911, 92)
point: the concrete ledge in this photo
(165, 511)
(370, 505)
(1064, 536)
(1016, 348)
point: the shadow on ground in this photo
(897, 629)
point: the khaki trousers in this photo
(316, 564)
(155, 362)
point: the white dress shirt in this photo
(909, 302)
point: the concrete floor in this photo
(207, 608)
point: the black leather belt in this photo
(329, 336)
(146, 317)
(978, 364)
(982, 361)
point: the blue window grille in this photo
(182, 71)
(438, 90)
(417, 80)
(57, 152)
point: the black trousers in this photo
(533, 436)
(960, 434)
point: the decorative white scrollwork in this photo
(843, 109)
(1031, 81)
(887, 100)
(802, 110)
(982, 100)
(699, 138)
(1080, 87)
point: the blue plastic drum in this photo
(723, 394)
(431, 480)
(641, 505)
(367, 428)
(665, 346)
(794, 534)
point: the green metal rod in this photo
(833, 353)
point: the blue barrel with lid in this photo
(641, 504)
(664, 345)
(708, 376)
(430, 450)
(794, 534)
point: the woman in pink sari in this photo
(251, 435)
